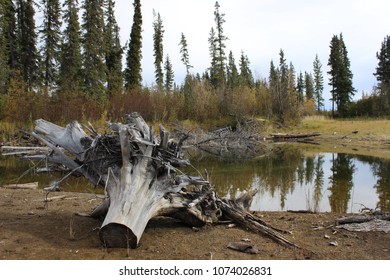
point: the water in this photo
(290, 179)
(15, 170)
(287, 179)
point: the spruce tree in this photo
(382, 74)
(300, 87)
(113, 51)
(93, 49)
(133, 71)
(281, 101)
(8, 41)
(334, 62)
(346, 85)
(28, 58)
(318, 83)
(51, 38)
(3, 61)
(185, 58)
(158, 49)
(340, 76)
(169, 75)
(213, 76)
(309, 86)
(232, 75)
(220, 46)
(291, 83)
(274, 85)
(70, 79)
(246, 77)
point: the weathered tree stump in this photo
(141, 175)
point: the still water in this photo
(291, 179)
(287, 179)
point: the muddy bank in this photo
(32, 229)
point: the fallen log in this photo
(364, 218)
(141, 175)
(283, 136)
(25, 186)
(18, 150)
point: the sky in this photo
(261, 28)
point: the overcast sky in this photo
(260, 28)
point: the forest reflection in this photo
(290, 179)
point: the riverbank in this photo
(32, 229)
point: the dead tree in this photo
(141, 175)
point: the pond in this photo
(288, 178)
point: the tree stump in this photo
(141, 175)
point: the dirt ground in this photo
(33, 230)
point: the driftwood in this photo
(141, 175)
(25, 186)
(15, 150)
(243, 141)
(362, 219)
(283, 136)
(376, 221)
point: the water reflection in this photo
(288, 179)
(15, 170)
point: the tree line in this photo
(69, 68)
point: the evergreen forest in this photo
(73, 66)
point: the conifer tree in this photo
(334, 62)
(8, 42)
(185, 58)
(51, 37)
(113, 51)
(318, 83)
(382, 74)
(70, 79)
(274, 85)
(28, 58)
(158, 49)
(232, 72)
(93, 49)
(340, 75)
(281, 105)
(133, 71)
(3, 62)
(220, 46)
(169, 75)
(300, 87)
(246, 77)
(291, 83)
(213, 76)
(309, 86)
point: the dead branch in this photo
(141, 175)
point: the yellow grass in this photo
(369, 129)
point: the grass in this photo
(372, 137)
(10, 131)
(370, 129)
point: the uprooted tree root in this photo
(142, 178)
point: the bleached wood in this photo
(140, 174)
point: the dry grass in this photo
(371, 129)
(372, 137)
(11, 131)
